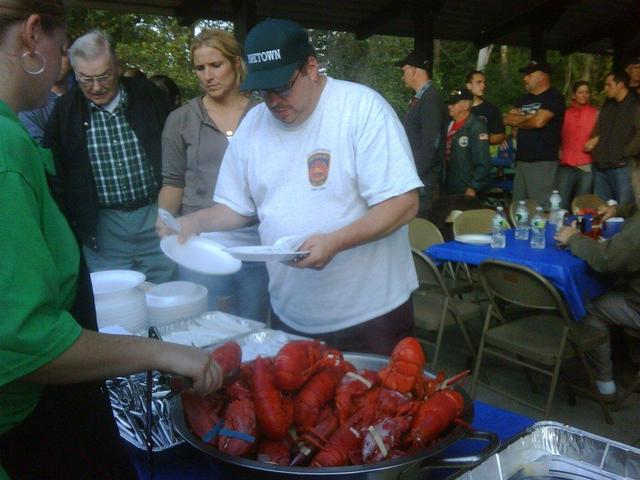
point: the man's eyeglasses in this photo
(283, 91)
(89, 81)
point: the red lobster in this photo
(240, 417)
(315, 394)
(343, 443)
(353, 385)
(202, 413)
(229, 357)
(405, 366)
(299, 359)
(275, 451)
(435, 415)
(273, 411)
(382, 438)
(313, 439)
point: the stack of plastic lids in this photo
(175, 301)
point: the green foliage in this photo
(157, 44)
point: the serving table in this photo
(570, 274)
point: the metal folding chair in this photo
(434, 307)
(538, 341)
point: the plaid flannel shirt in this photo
(120, 168)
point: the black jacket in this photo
(66, 136)
(618, 128)
(425, 125)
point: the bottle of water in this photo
(522, 221)
(498, 226)
(554, 209)
(538, 226)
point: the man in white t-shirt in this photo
(327, 160)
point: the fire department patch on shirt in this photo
(318, 164)
(483, 136)
(463, 141)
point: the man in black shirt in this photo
(633, 70)
(476, 83)
(424, 124)
(538, 117)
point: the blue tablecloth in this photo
(185, 462)
(570, 274)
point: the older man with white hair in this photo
(105, 137)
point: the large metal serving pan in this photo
(551, 450)
(417, 466)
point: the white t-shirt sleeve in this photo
(232, 187)
(384, 162)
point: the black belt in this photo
(134, 204)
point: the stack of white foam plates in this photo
(119, 300)
(175, 301)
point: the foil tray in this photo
(128, 394)
(551, 450)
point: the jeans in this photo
(608, 310)
(613, 183)
(573, 182)
(244, 293)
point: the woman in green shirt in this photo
(55, 422)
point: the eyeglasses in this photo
(88, 81)
(283, 91)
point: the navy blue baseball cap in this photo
(274, 48)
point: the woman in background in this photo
(574, 175)
(194, 141)
(55, 419)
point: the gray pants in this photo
(573, 182)
(534, 181)
(609, 309)
(128, 241)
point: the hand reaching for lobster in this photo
(194, 363)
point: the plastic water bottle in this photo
(554, 209)
(522, 221)
(498, 226)
(538, 226)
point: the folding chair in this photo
(540, 341)
(423, 234)
(434, 307)
(473, 221)
(468, 222)
(586, 201)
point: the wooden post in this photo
(245, 18)
(538, 48)
(423, 29)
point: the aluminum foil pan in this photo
(550, 450)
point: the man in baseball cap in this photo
(538, 116)
(466, 158)
(424, 124)
(326, 164)
(535, 66)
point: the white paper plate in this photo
(474, 239)
(201, 255)
(264, 253)
(113, 281)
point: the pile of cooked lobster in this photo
(309, 406)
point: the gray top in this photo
(192, 151)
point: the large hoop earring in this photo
(36, 54)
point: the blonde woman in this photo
(194, 141)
